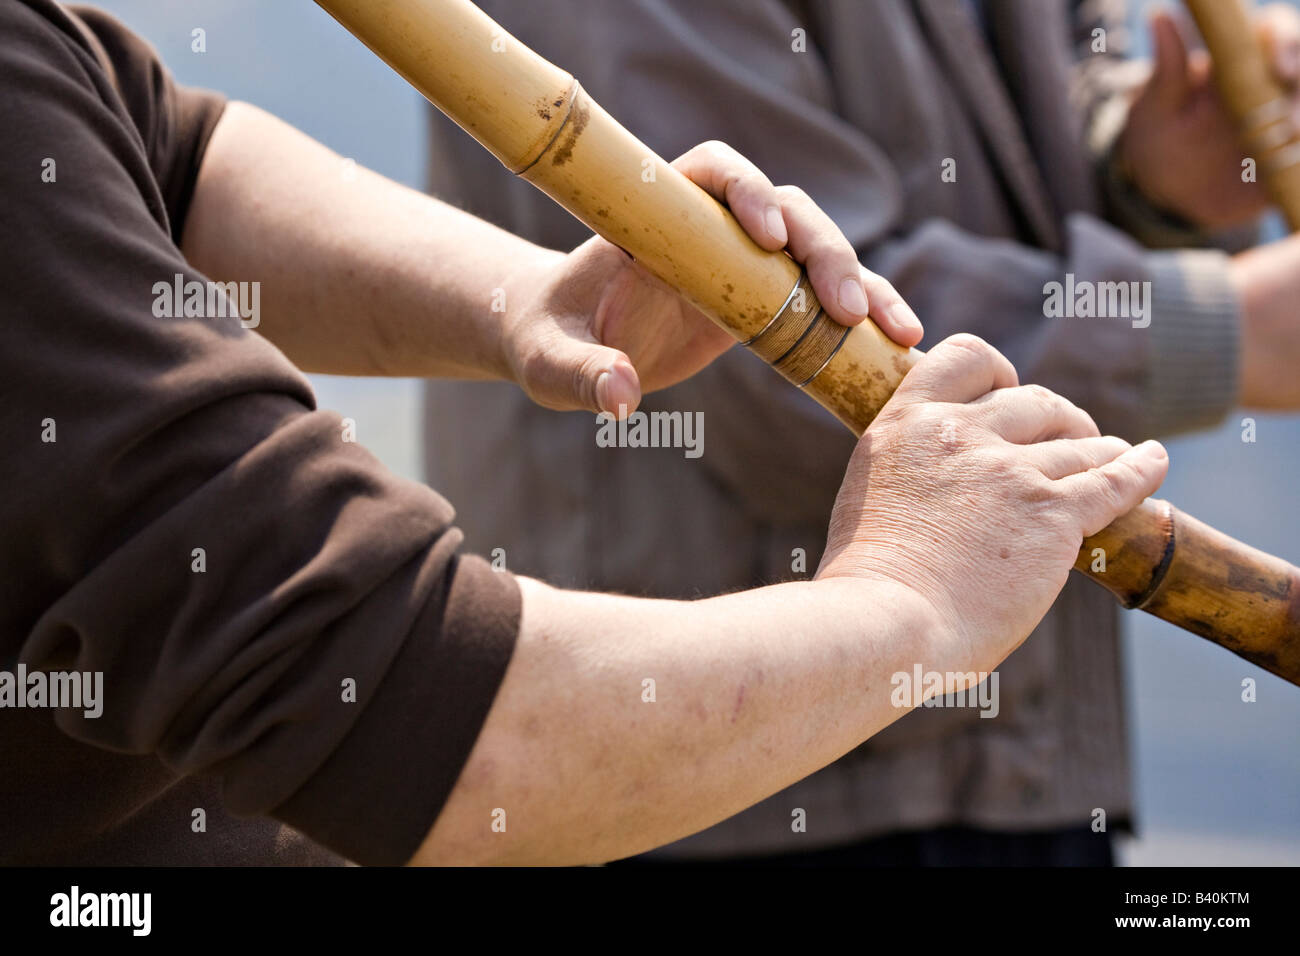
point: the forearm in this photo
(1263, 279)
(359, 275)
(752, 691)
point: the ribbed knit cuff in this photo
(1192, 378)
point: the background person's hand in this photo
(1181, 147)
(976, 493)
(597, 331)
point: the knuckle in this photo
(750, 180)
(969, 340)
(1046, 404)
(880, 287)
(1024, 481)
(826, 247)
(696, 152)
(793, 195)
(1041, 490)
(1114, 485)
(1009, 461)
(1117, 445)
(1088, 421)
(1043, 400)
(972, 346)
(1039, 392)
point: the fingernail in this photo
(902, 315)
(852, 297)
(617, 390)
(774, 222)
(1155, 449)
(602, 391)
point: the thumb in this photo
(617, 389)
(577, 374)
(1170, 80)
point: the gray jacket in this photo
(865, 119)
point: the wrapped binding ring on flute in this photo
(536, 119)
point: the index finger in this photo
(786, 217)
(733, 180)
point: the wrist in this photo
(532, 271)
(928, 634)
(1254, 353)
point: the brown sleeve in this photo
(320, 568)
(174, 122)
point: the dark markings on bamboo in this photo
(568, 101)
(1166, 558)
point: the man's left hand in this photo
(596, 330)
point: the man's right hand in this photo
(977, 492)
(624, 723)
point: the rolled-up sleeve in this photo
(265, 601)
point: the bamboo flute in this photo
(536, 119)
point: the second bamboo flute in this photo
(536, 119)
(1260, 104)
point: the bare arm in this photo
(752, 691)
(757, 689)
(362, 276)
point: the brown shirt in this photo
(131, 442)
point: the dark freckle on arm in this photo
(1004, 553)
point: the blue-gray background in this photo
(1218, 779)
